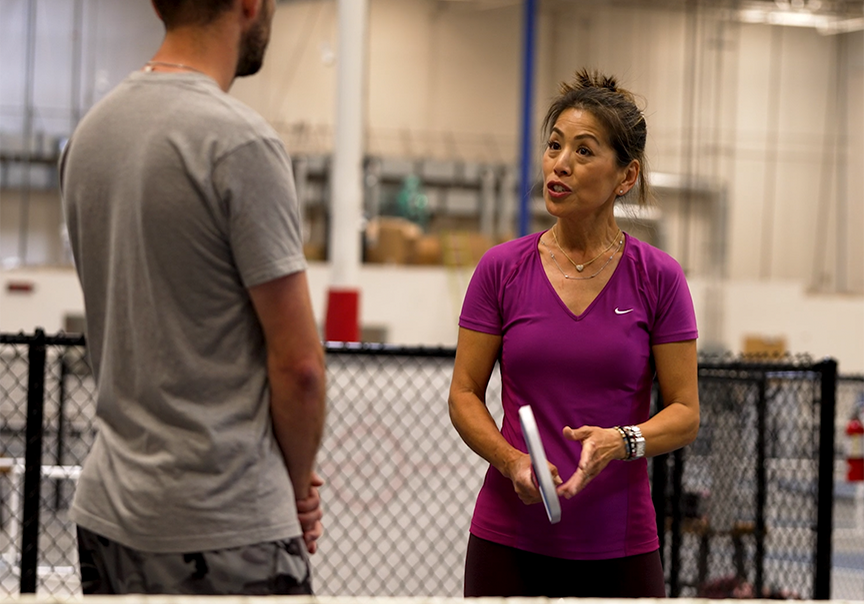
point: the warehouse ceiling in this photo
(835, 8)
(827, 16)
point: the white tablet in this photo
(538, 461)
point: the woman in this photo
(580, 317)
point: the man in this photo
(184, 225)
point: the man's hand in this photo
(309, 513)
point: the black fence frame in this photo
(757, 371)
(37, 345)
(667, 471)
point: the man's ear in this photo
(251, 8)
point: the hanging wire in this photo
(772, 144)
(821, 278)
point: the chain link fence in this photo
(848, 542)
(740, 507)
(46, 428)
(751, 494)
(402, 484)
(13, 422)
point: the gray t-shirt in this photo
(178, 198)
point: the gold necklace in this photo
(149, 65)
(574, 278)
(581, 267)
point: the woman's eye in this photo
(583, 151)
(553, 145)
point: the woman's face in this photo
(581, 175)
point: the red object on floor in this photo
(343, 316)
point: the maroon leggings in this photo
(492, 569)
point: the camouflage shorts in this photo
(277, 567)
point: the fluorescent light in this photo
(842, 26)
(824, 24)
(783, 17)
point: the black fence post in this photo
(33, 462)
(761, 485)
(677, 521)
(61, 426)
(825, 506)
(659, 482)
(659, 479)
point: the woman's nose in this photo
(562, 164)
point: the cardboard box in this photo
(760, 346)
(314, 251)
(464, 248)
(391, 240)
(427, 250)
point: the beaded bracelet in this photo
(634, 442)
(627, 445)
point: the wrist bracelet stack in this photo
(634, 442)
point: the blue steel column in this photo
(527, 117)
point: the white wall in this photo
(420, 306)
(443, 78)
(422, 309)
(45, 244)
(116, 37)
(773, 115)
(755, 110)
(821, 325)
(852, 222)
(55, 294)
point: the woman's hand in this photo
(599, 447)
(519, 471)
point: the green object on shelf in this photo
(412, 202)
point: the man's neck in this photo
(211, 50)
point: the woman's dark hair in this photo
(615, 108)
(175, 13)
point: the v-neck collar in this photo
(542, 274)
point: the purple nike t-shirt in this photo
(592, 369)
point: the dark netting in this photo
(401, 482)
(748, 495)
(67, 403)
(739, 506)
(67, 436)
(847, 577)
(13, 421)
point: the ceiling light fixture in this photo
(824, 24)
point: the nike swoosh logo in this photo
(623, 312)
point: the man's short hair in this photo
(176, 13)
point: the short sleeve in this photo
(256, 185)
(481, 309)
(675, 317)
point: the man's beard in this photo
(252, 48)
